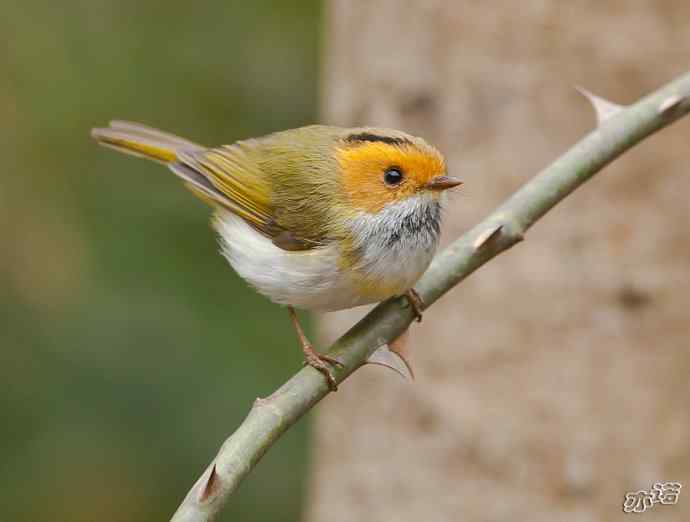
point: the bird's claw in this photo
(416, 303)
(321, 363)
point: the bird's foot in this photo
(416, 302)
(321, 362)
(311, 356)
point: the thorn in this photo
(211, 485)
(400, 346)
(394, 358)
(604, 109)
(488, 235)
(670, 104)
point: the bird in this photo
(318, 218)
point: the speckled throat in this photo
(395, 246)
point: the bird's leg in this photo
(416, 302)
(311, 356)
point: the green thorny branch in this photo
(619, 128)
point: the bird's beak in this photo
(442, 183)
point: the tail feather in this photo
(146, 142)
(154, 134)
(140, 140)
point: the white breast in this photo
(392, 253)
(395, 246)
(307, 279)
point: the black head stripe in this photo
(369, 137)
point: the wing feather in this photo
(265, 181)
(240, 181)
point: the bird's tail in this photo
(146, 142)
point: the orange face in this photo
(375, 172)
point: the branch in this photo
(619, 129)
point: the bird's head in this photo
(382, 167)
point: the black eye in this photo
(393, 176)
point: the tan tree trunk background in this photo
(556, 379)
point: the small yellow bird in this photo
(319, 217)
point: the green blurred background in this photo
(128, 348)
